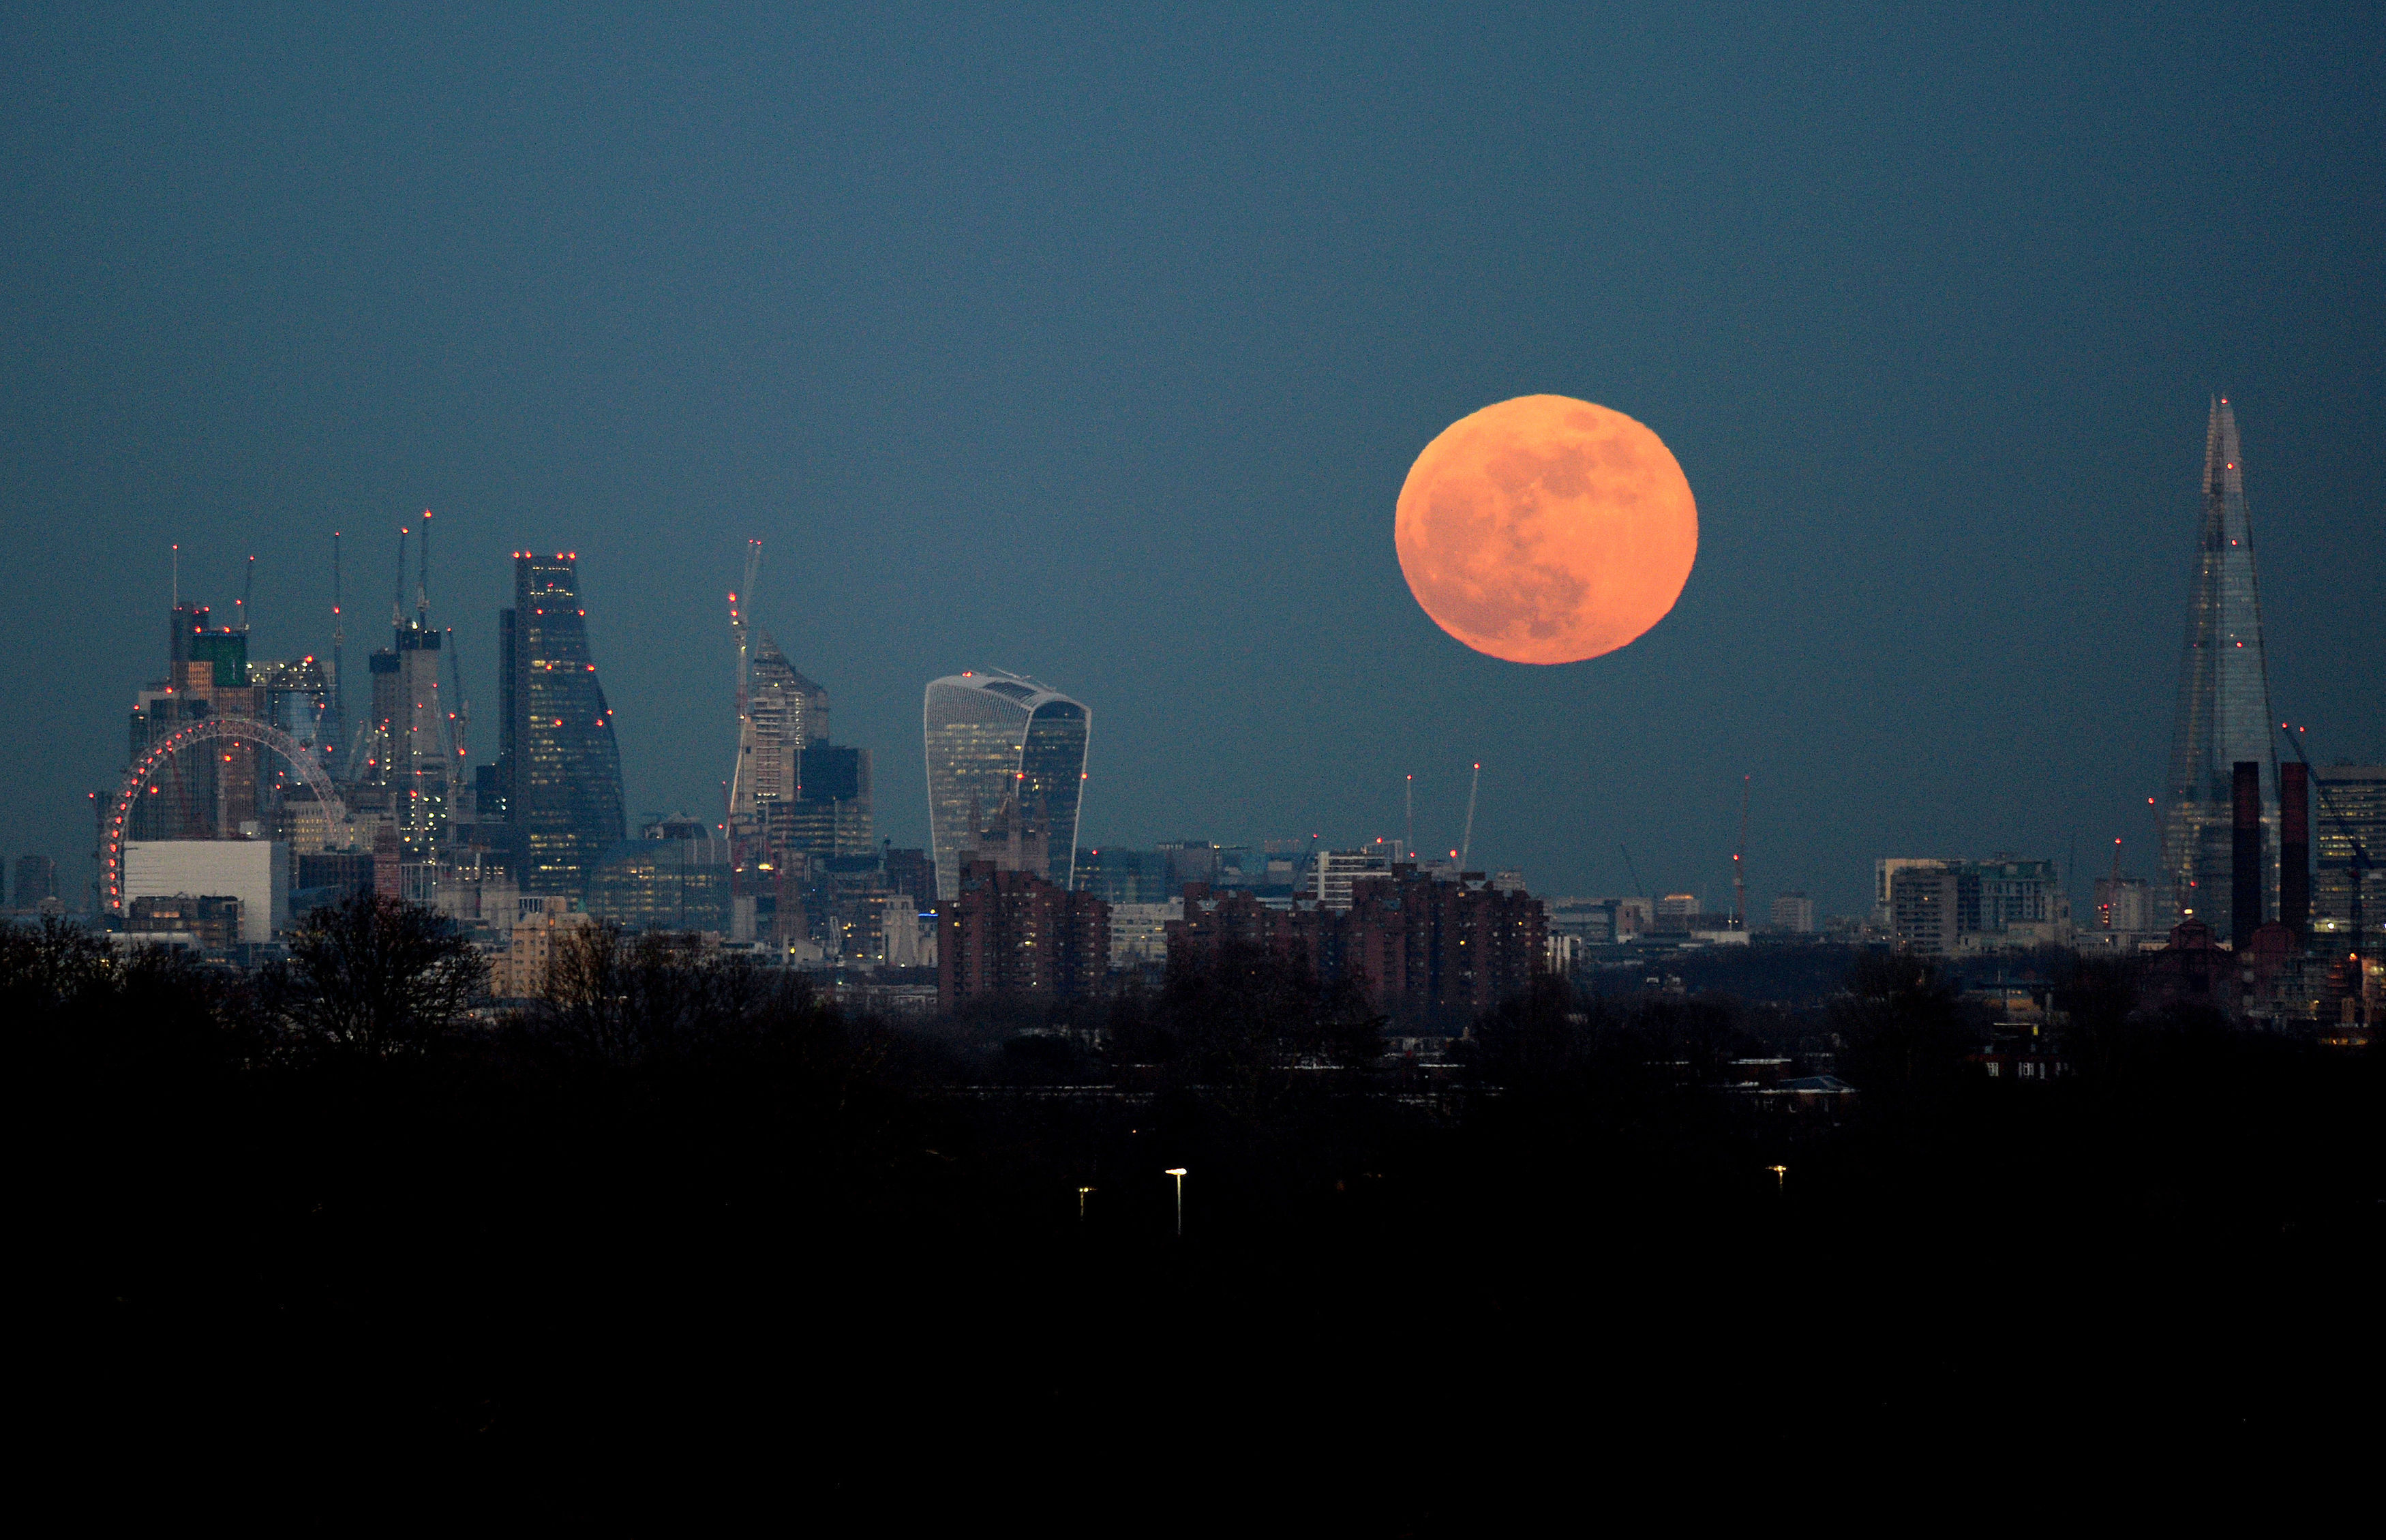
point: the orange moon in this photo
(1546, 529)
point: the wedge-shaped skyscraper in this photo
(1005, 752)
(560, 766)
(2224, 697)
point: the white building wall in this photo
(255, 871)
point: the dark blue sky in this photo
(1096, 344)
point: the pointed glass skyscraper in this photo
(2224, 695)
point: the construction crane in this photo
(741, 773)
(1739, 868)
(2360, 866)
(422, 584)
(247, 590)
(339, 643)
(459, 721)
(1633, 870)
(1466, 841)
(397, 598)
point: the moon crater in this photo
(1546, 529)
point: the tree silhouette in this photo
(378, 976)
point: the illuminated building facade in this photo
(561, 768)
(2224, 695)
(994, 737)
(2351, 811)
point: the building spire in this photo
(2224, 695)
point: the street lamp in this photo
(1081, 1203)
(1780, 1177)
(1178, 1172)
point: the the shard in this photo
(2224, 697)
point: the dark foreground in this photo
(842, 1266)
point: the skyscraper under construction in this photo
(2224, 697)
(560, 769)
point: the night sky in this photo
(1095, 345)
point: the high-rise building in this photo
(826, 810)
(1794, 913)
(994, 737)
(674, 878)
(1337, 869)
(299, 700)
(37, 878)
(1925, 904)
(562, 769)
(2352, 810)
(2224, 695)
(408, 745)
(786, 713)
(1884, 873)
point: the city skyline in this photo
(1947, 477)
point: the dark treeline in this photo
(684, 1203)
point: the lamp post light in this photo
(1780, 1177)
(1081, 1203)
(1178, 1172)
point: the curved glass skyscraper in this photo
(561, 768)
(2224, 697)
(995, 738)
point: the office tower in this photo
(786, 713)
(826, 810)
(1337, 869)
(37, 878)
(297, 700)
(1926, 904)
(1127, 876)
(563, 789)
(674, 878)
(1794, 912)
(2352, 812)
(994, 737)
(2224, 695)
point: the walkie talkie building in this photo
(2224, 697)
(994, 737)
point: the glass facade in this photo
(663, 885)
(829, 814)
(992, 737)
(2224, 695)
(565, 797)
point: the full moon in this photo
(1546, 529)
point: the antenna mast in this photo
(248, 588)
(422, 584)
(1738, 874)
(1466, 841)
(1408, 841)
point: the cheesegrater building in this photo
(2224, 699)
(559, 768)
(1004, 751)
